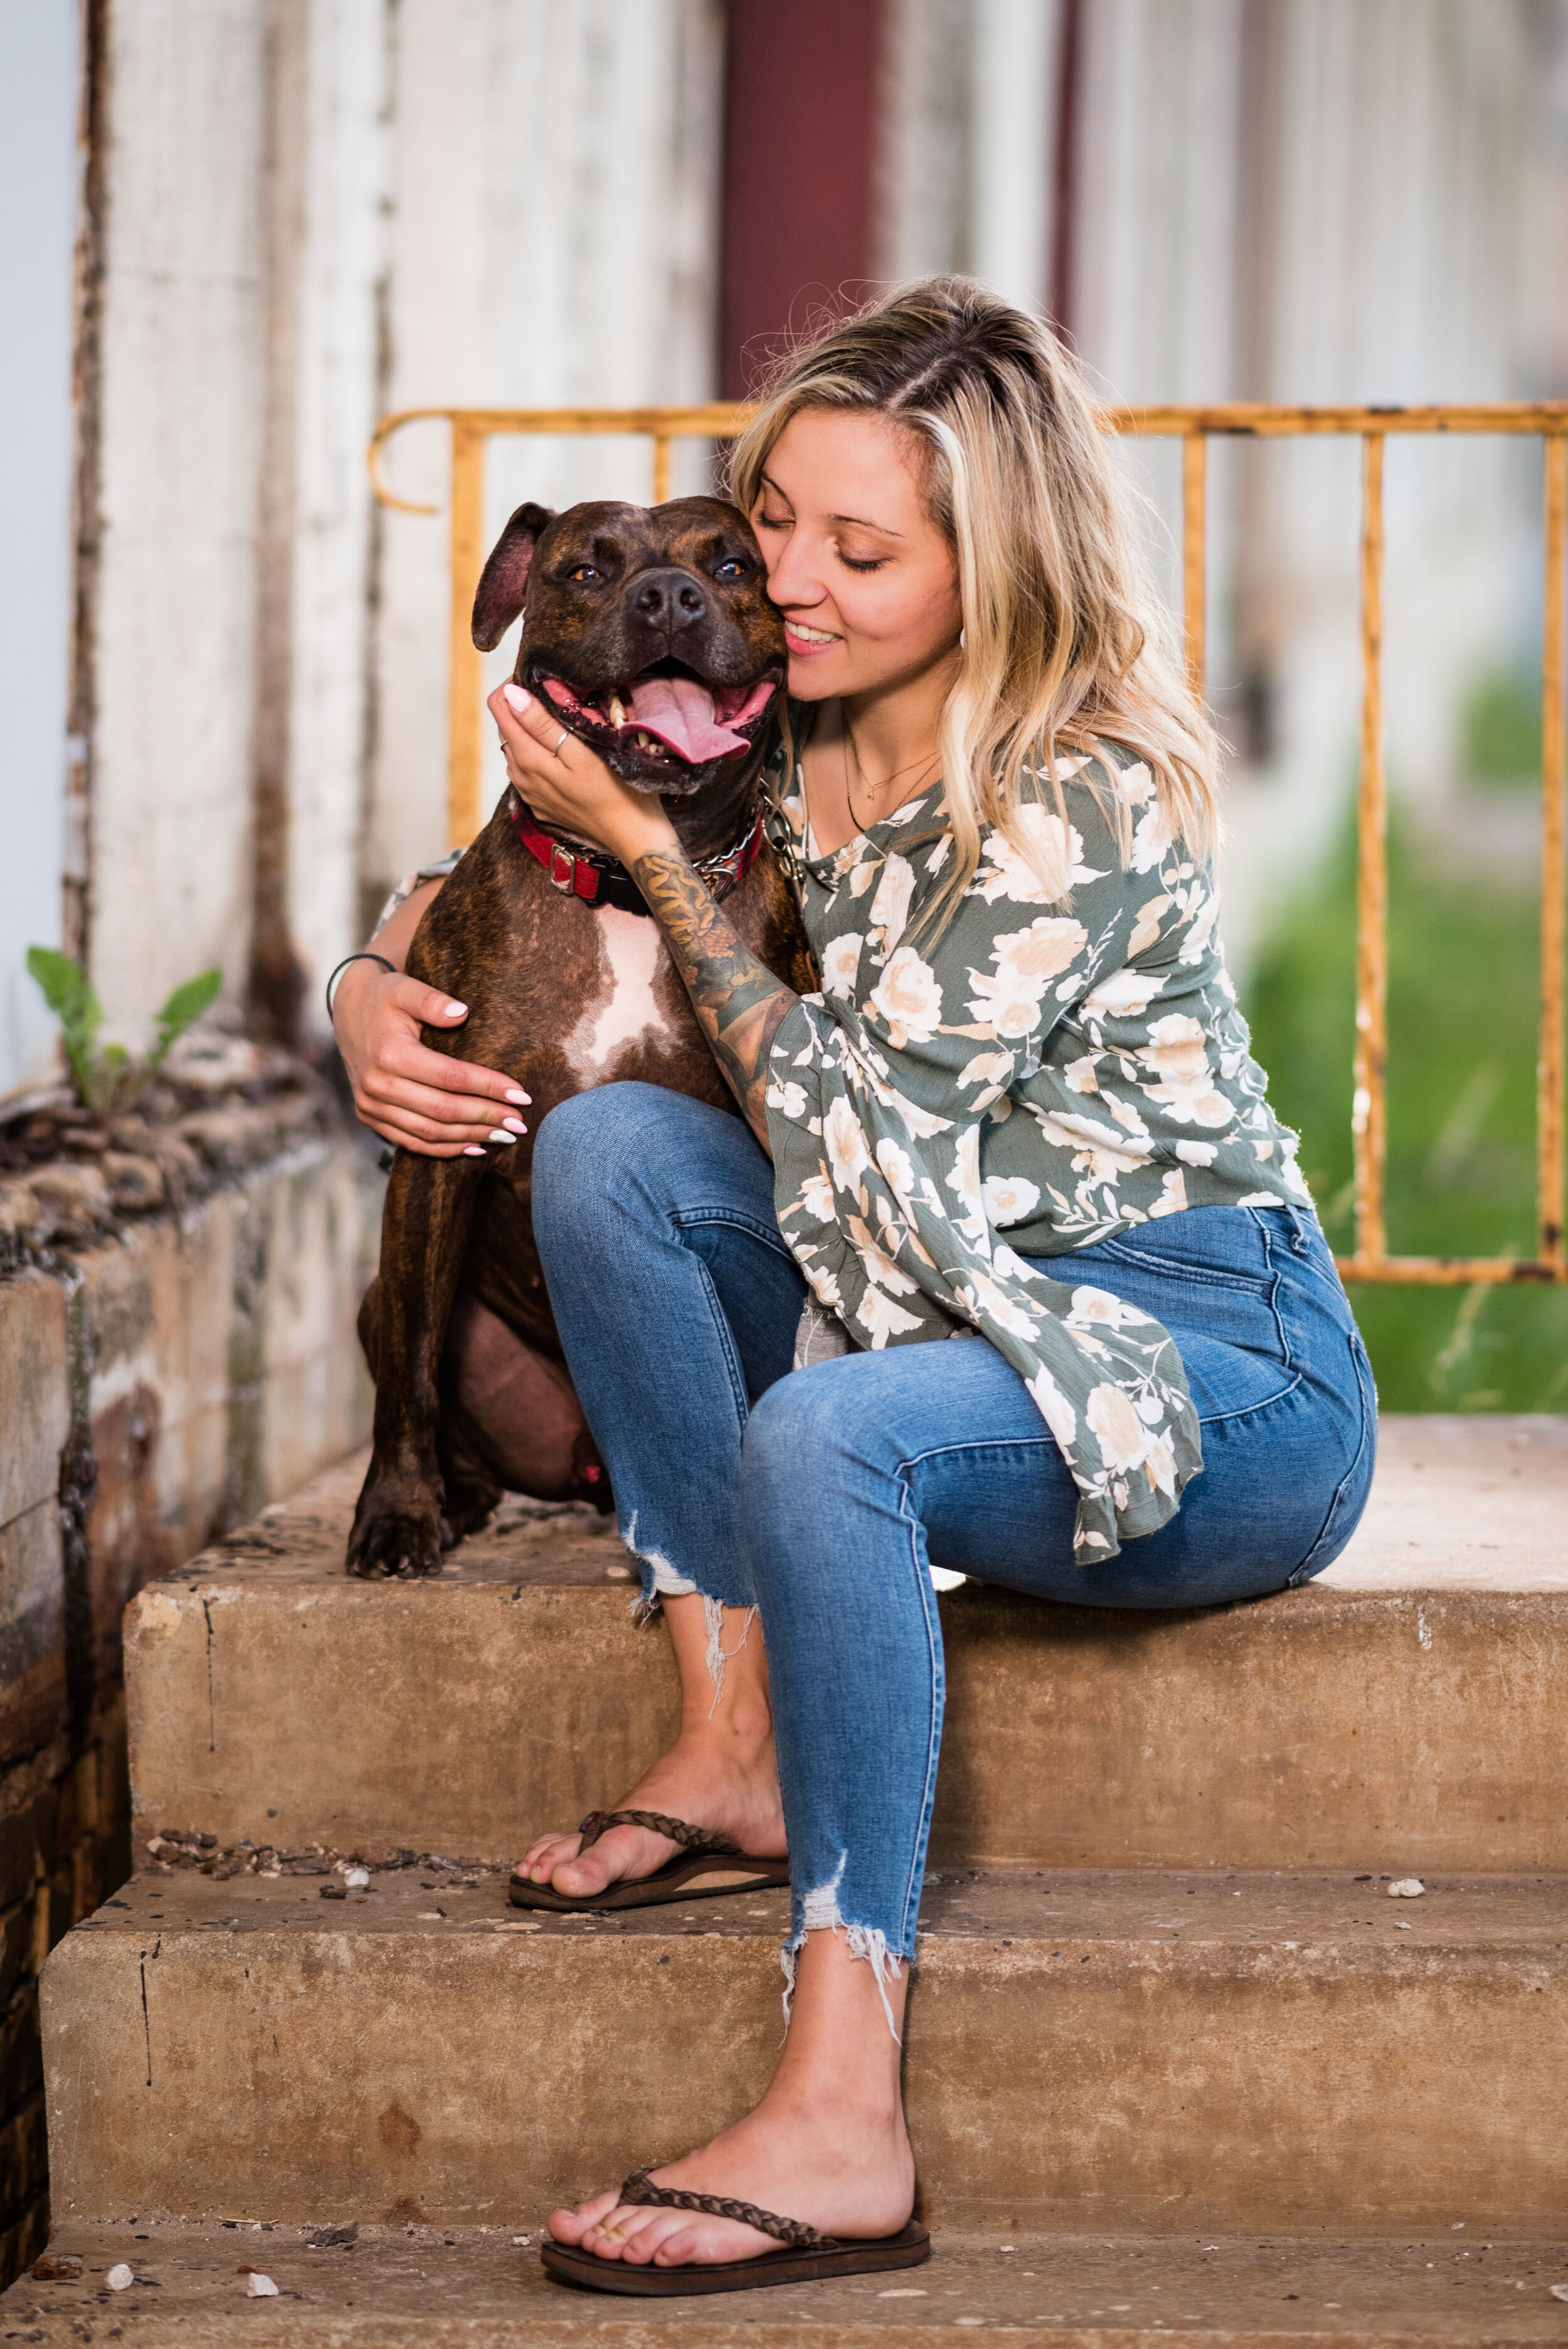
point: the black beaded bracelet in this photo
(390, 966)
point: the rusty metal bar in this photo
(1369, 1120)
(1194, 553)
(722, 419)
(661, 467)
(1450, 1271)
(466, 683)
(1549, 1112)
(1266, 422)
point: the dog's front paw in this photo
(395, 1534)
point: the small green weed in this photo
(108, 1079)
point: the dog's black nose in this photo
(669, 599)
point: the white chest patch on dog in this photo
(631, 954)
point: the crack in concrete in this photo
(211, 1724)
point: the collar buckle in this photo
(562, 867)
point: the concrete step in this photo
(418, 2286)
(1136, 2052)
(1400, 1712)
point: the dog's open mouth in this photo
(669, 719)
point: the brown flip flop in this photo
(710, 1864)
(807, 2257)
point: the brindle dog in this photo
(651, 634)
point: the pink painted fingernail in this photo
(516, 696)
(521, 1097)
(472, 1149)
(514, 1126)
(457, 1011)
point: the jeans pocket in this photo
(1220, 1248)
(1350, 1495)
(1210, 1273)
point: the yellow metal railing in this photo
(472, 428)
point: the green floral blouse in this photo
(1054, 1069)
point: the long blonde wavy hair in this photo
(1066, 648)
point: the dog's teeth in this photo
(617, 711)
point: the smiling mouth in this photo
(666, 719)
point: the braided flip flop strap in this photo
(640, 2189)
(693, 1839)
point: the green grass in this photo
(1500, 727)
(1462, 992)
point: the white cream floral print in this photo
(1059, 1065)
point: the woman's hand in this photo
(410, 1096)
(564, 783)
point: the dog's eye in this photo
(732, 567)
(585, 572)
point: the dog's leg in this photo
(424, 1234)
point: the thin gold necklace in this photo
(849, 751)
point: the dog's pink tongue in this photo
(680, 712)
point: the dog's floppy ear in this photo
(504, 582)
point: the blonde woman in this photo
(1022, 1113)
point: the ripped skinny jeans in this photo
(824, 1496)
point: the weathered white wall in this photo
(554, 240)
(182, 425)
(339, 291)
(37, 229)
(319, 208)
(965, 169)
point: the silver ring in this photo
(564, 732)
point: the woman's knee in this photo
(586, 1148)
(808, 1439)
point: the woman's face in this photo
(867, 583)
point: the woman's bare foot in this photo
(720, 1772)
(827, 2145)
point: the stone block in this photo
(1137, 2051)
(159, 1308)
(34, 1397)
(321, 1213)
(32, 1629)
(76, 1200)
(136, 1184)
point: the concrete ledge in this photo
(1464, 1503)
(162, 1385)
(1357, 1727)
(421, 2287)
(1145, 2052)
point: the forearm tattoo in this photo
(737, 1000)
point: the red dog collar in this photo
(600, 880)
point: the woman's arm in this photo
(739, 1002)
(416, 1099)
